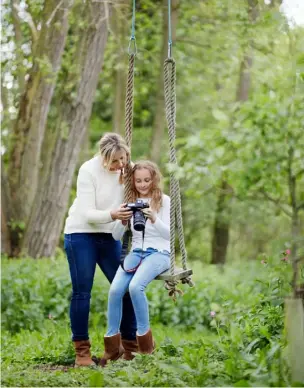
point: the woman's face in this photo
(143, 182)
(119, 161)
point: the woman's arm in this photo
(163, 224)
(86, 196)
(118, 230)
(86, 199)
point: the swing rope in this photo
(176, 219)
(129, 123)
(132, 51)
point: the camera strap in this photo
(134, 269)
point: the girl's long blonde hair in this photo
(156, 188)
(109, 145)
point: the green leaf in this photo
(219, 115)
(242, 383)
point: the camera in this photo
(139, 220)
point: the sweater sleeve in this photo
(162, 224)
(118, 230)
(86, 197)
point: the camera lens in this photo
(139, 221)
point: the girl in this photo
(149, 257)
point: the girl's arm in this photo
(163, 224)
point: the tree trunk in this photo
(120, 28)
(5, 216)
(220, 240)
(159, 116)
(244, 79)
(29, 128)
(295, 222)
(294, 328)
(51, 201)
(295, 226)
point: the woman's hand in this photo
(149, 213)
(122, 213)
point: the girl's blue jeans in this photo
(153, 264)
(84, 251)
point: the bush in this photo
(36, 290)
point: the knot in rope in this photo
(173, 291)
(188, 281)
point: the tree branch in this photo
(209, 190)
(299, 173)
(18, 42)
(106, 19)
(276, 202)
(54, 13)
(194, 43)
(300, 207)
(30, 22)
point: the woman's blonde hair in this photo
(156, 188)
(109, 145)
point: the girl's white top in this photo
(98, 192)
(157, 235)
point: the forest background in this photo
(240, 145)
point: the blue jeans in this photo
(84, 251)
(153, 264)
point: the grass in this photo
(45, 358)
(243, 345)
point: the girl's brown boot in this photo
(146, 343)
(130, 347)
(113, 349)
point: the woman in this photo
(149, 256)
(88, 239)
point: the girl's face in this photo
(119, 161)
(143, 182)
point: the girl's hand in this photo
(122, 213)
(149, 213)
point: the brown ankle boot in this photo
(146, 343)
(83, 354)
(113, 349)
(130, 347)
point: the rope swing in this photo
(129, 108)
(174, 275)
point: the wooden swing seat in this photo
(179, 274)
